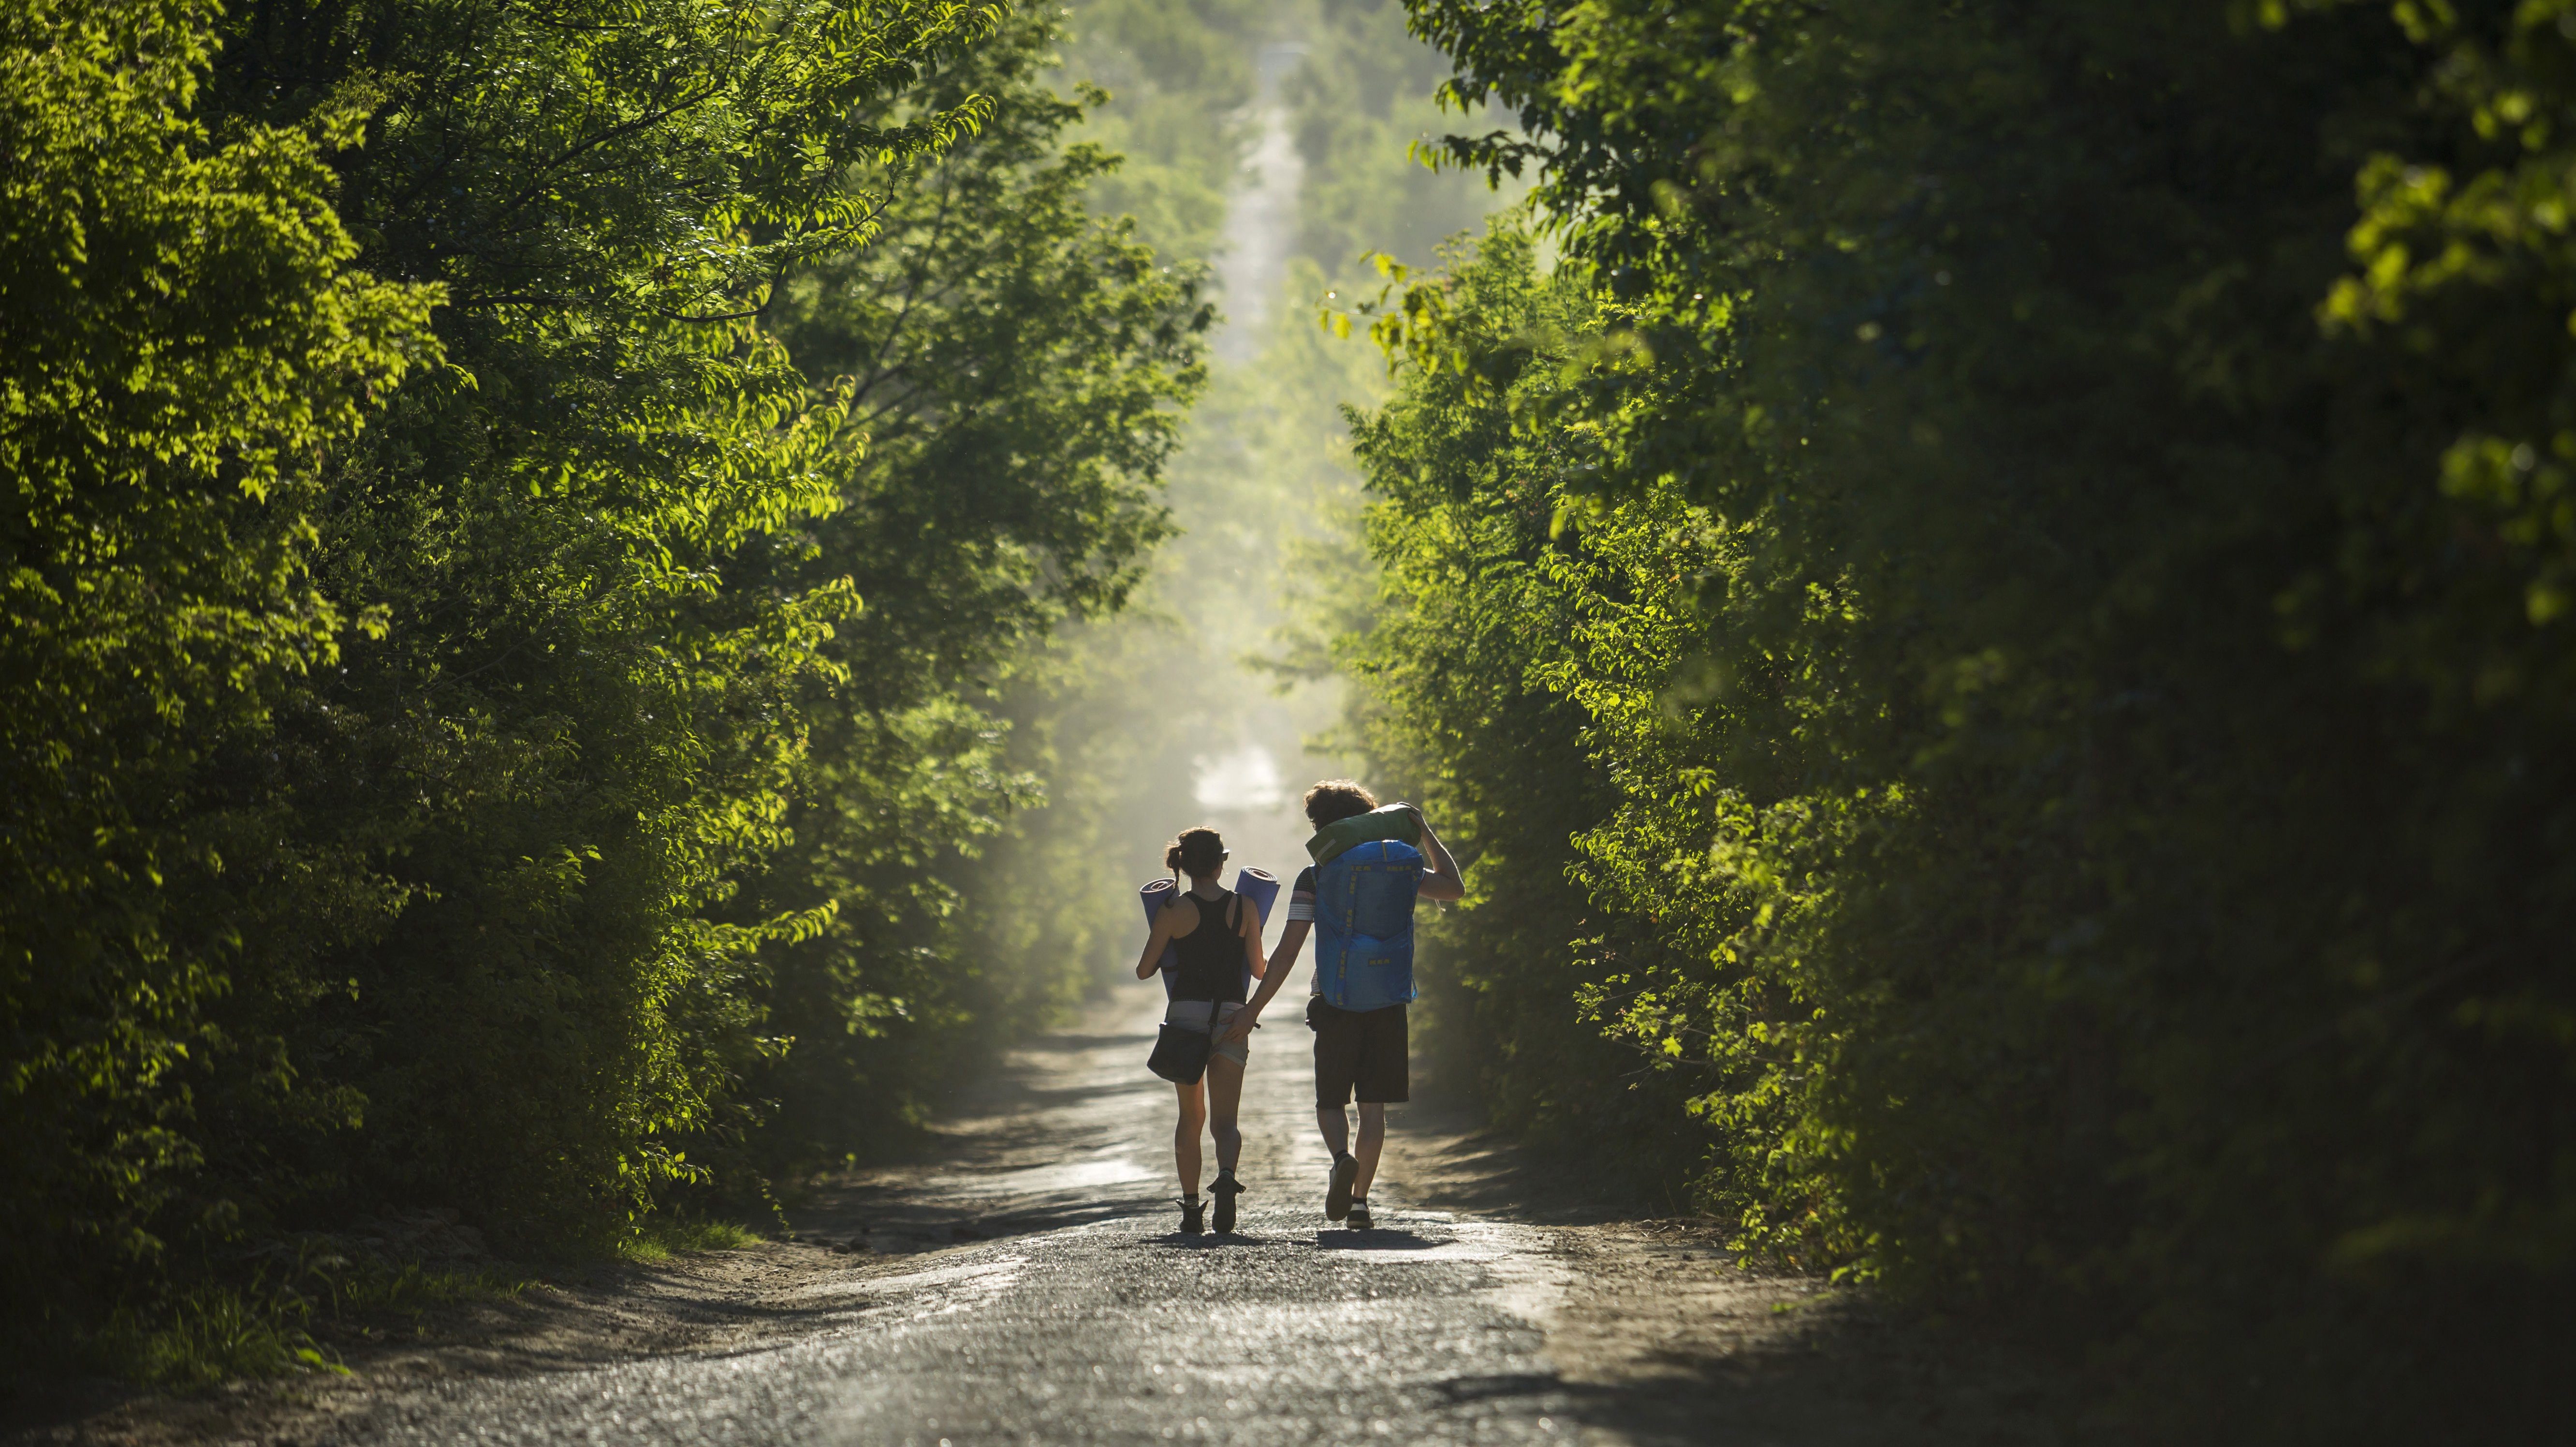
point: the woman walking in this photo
(1217, 934)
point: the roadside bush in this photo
(1017, 369)
(436, 607)
(2052, 523)
(1460, 709)
(188, 348)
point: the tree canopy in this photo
(2047, 524)
(514, 511)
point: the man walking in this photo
(1358, 900)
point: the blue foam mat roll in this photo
(1262, 888)
(1153, 896)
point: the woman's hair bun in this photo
(1195, 851)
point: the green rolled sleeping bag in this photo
(1388, 821)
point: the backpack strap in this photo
(1233, 907)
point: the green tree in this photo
(185, 349)
(579, 726)
(2097, 804)
(1365, 112)
(1178, 74)
(515, 666)
(1016, 369)
(1483, 602)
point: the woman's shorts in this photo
(1193, 1015)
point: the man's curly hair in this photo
(1337, 799)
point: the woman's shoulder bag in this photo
(1181, 1053)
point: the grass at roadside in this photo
(660, 1239)
(211, 1335)
(294, 1308)
(266, 1324)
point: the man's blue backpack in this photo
(1364, 924)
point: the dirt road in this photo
(1030, 1287)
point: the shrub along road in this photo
(1028, 1286)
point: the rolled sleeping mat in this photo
(1391, 821)
(1262, 888)
(1154, 896)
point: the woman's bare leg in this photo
(1225, 1095)
(1185, 1136)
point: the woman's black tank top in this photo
(1211, 955)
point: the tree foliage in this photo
(1012, 363)
(502, 578)
(187, 349)
(579, 725)
(2047, 518)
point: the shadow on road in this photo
(1378, 1240)
(1044, 1140)
(1212, 1241)
(1658, 1338)
(1663, 1339)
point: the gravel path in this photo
(1028, 1286)
(1090, 1319)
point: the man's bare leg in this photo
(1372, 1140)
(1337, 1191)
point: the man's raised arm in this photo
(1440, 876)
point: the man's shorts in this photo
(1359, 1050)
(1193, 1015)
